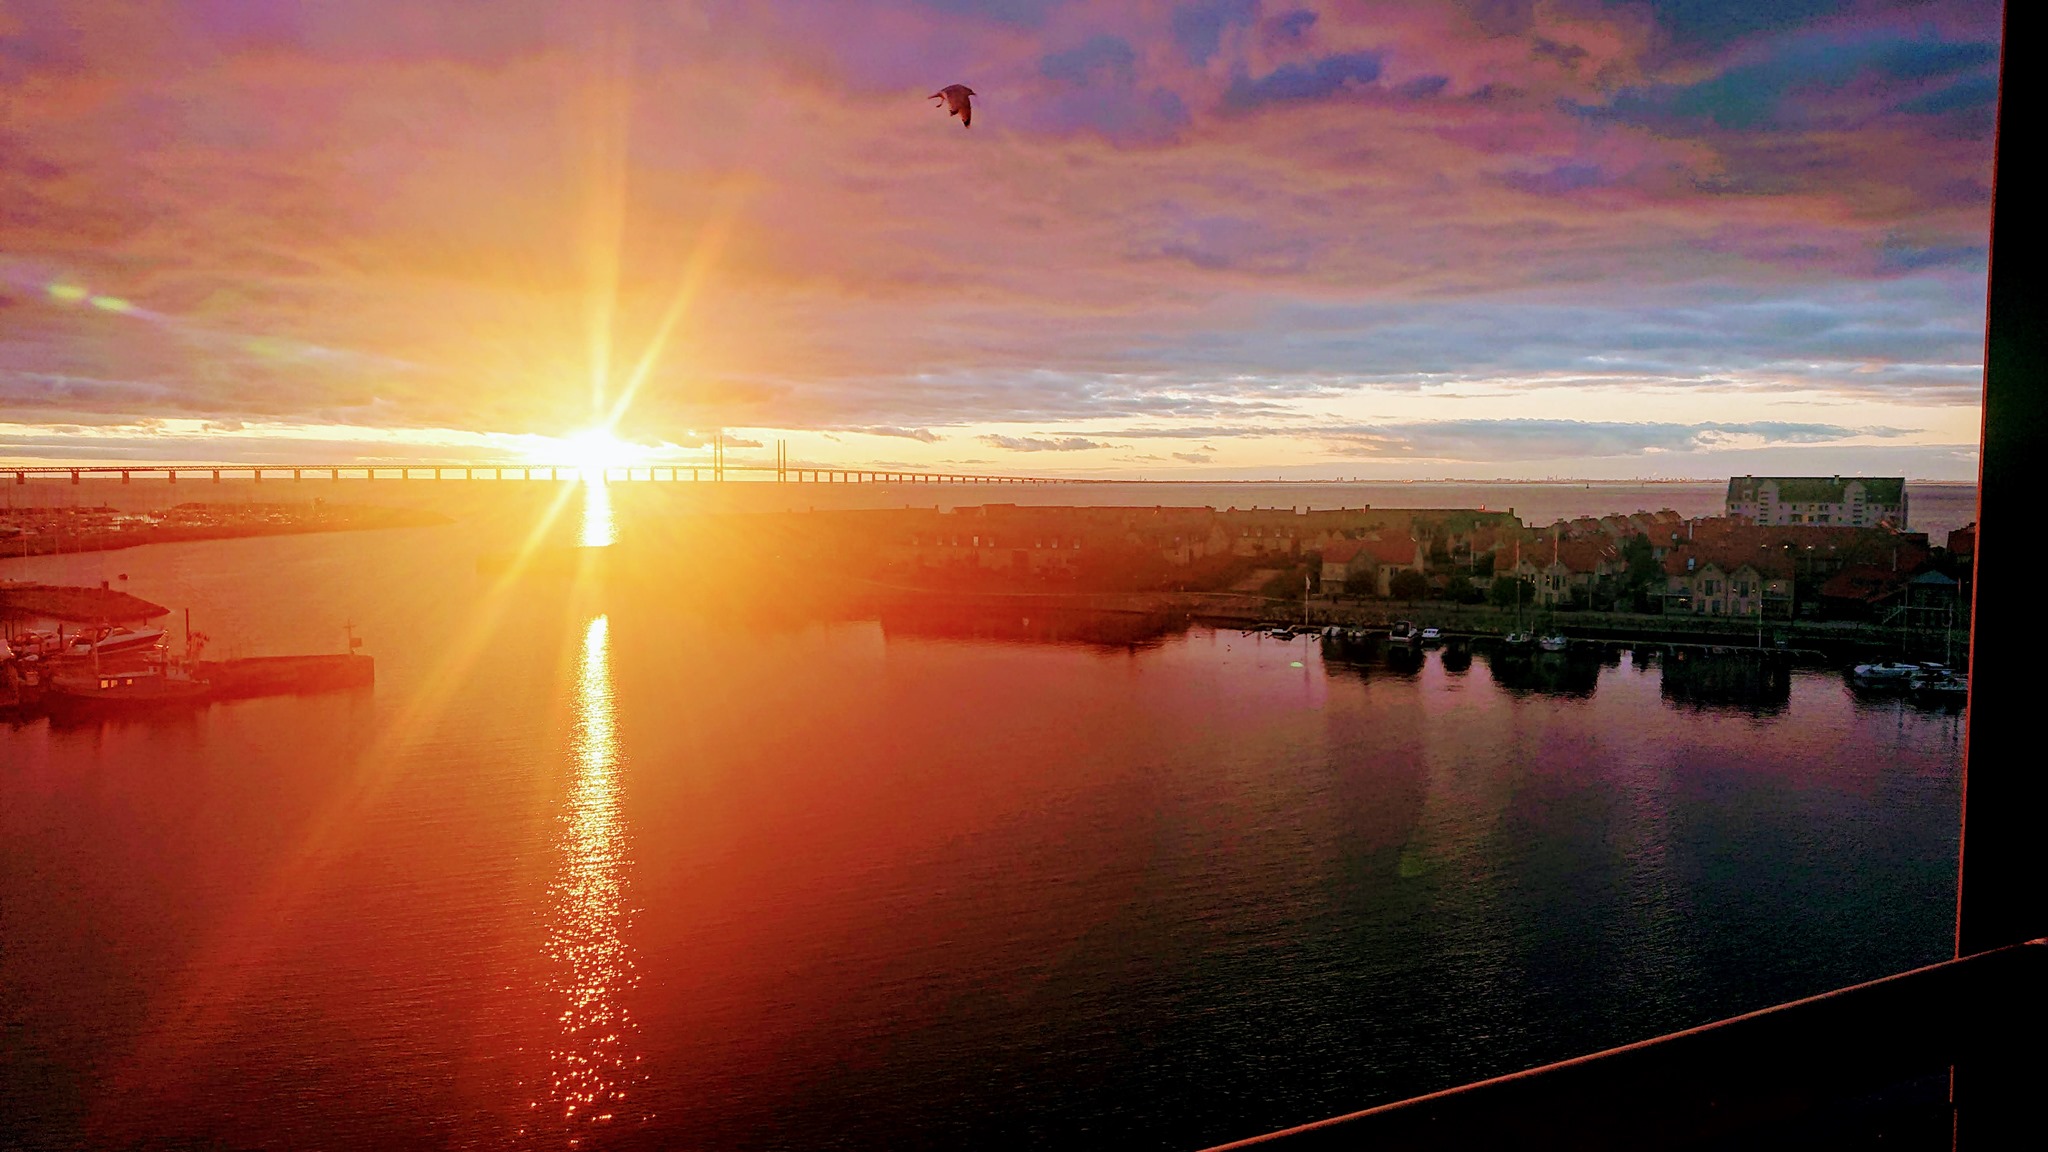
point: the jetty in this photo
(284, 675)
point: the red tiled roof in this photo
(1391, 550)
(1771, 563)
(1584, 556)
(1341, 551)
(1863, 582)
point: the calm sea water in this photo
(592, 867)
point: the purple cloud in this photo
(1305, 83)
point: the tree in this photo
(1643, 569)
(1462, 591)
(1502, 594)
(1408, 584)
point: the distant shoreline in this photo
(332, 519)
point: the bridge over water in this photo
(522, 471)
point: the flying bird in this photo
(957, 104)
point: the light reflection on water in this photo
(597, 531)
(592, 1062)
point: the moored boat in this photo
(36, 642)
(1941, 686)
(1404, 632)
(114, 641)
(1555, 642)
(135, 688)
(1894, 673)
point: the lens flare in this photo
(598, 452)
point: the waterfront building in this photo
(1851, 501)
(1708, 581)
(1342, 559)
(1568, 570)
(1390, 554)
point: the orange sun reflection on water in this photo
(597, 530)
(592, 1062)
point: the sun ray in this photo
(710, 243)
(202, 1004)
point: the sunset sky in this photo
(1218, 238)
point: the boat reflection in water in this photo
(592, 1062)
(1457, 657)
(1746, 680)
(1571, 671)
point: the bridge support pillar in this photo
(334, 474)
(124, 475)
(74, 475)
(216, 475)
(171, 475)
(298, 474)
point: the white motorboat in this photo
(1403, 632)
(1432, 635)
(1553, 643)
(1940, 685)
(112, 641)
(36, 642)
(1893, 672)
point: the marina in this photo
(52, 664)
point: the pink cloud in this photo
(399, 215)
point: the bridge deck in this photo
(494, 470)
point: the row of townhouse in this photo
(1729, 582)
(1565, 571)
(1371, 563)
(1730, 566)
(1717, 565)
(1838, 501)
(1042, 538)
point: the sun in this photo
(596, 452)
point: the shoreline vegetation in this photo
(50, 531)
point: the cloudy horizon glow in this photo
(1207, 239)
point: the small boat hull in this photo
(119, 693)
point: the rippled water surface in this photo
(592, 866)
